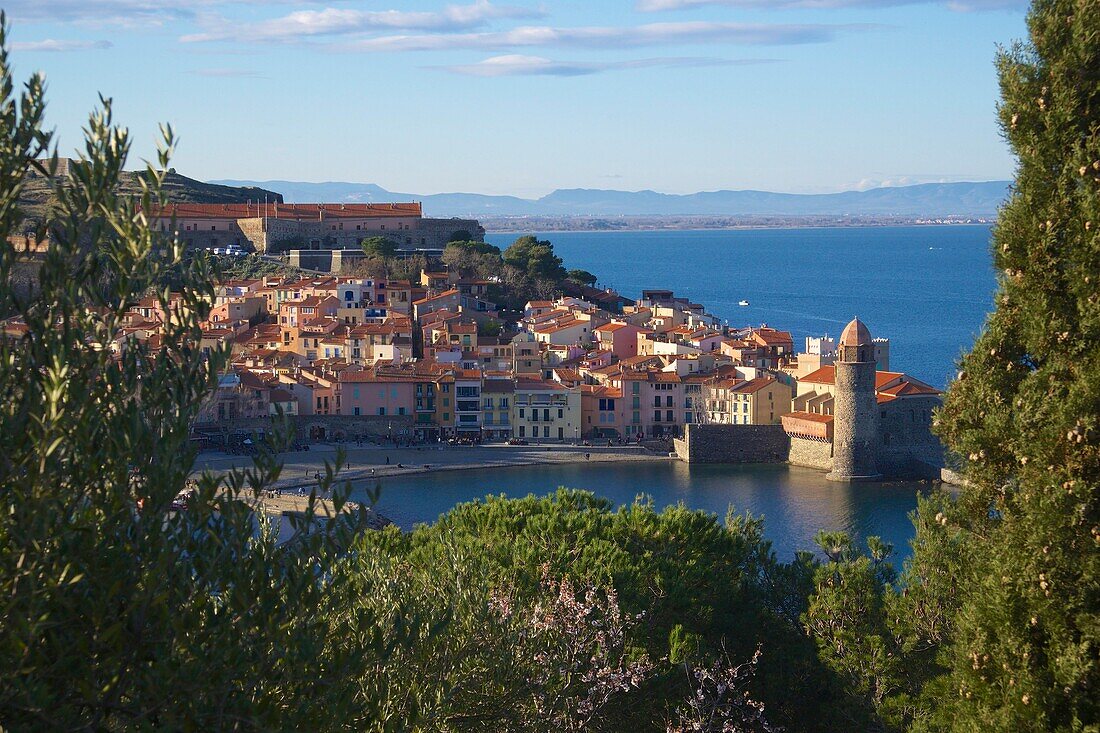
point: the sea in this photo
(926, 288)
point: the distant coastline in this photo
(507, 225)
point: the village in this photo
(408, 363)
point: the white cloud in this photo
(51, 45)
(121, 13)
(653, 6)
(614, 36)
(521, 65)
(346, 21)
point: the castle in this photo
(860, 423)
(270, 227)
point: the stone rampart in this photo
(811, 454)
(732, 444)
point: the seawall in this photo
(732, 444)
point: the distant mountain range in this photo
(931, 200)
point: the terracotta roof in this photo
(754, 385)
(307, 212)
(810, 416)
(772, 337)
(445, 294)
(855, 334)
(538, 384)
(827, 375)
(498, 386)
(908, 388)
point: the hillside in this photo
(179, 188)
(930, 200)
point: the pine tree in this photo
(1023, 615)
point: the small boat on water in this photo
(743, 303)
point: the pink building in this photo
(621, 339)
(603, 412)
(368, 393)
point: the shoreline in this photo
(300, 469)
(742, 227)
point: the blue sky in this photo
(522, 96)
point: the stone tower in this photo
(855, 414)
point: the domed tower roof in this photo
(855, 334)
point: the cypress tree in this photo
(1023, 636)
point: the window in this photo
(522, 431)
(668, 401)
(381, 410)
(546, 415)
(546, 431)
(561, 413)
(636, 417)
(521, 412)
(446, 416)
(561, 433)
(504, 403)
(668, 416)
(656, 401)
(656, 416)
(400, 410)
(356, 411)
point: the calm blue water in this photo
(795, 502)
(927, 288)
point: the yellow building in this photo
(545, 410)
(757, 401)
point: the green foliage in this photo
(460, 236)
(1020, 619)
(584, 277)
(704, 589)
(472, 259)
(116, 610)
(847, 618)
(490, 328)
(380, 247)
(535, 258)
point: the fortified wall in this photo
(732, 444)
(280, 227)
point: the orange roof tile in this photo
(307, 212)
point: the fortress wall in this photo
(811, 454)
(732, 444)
